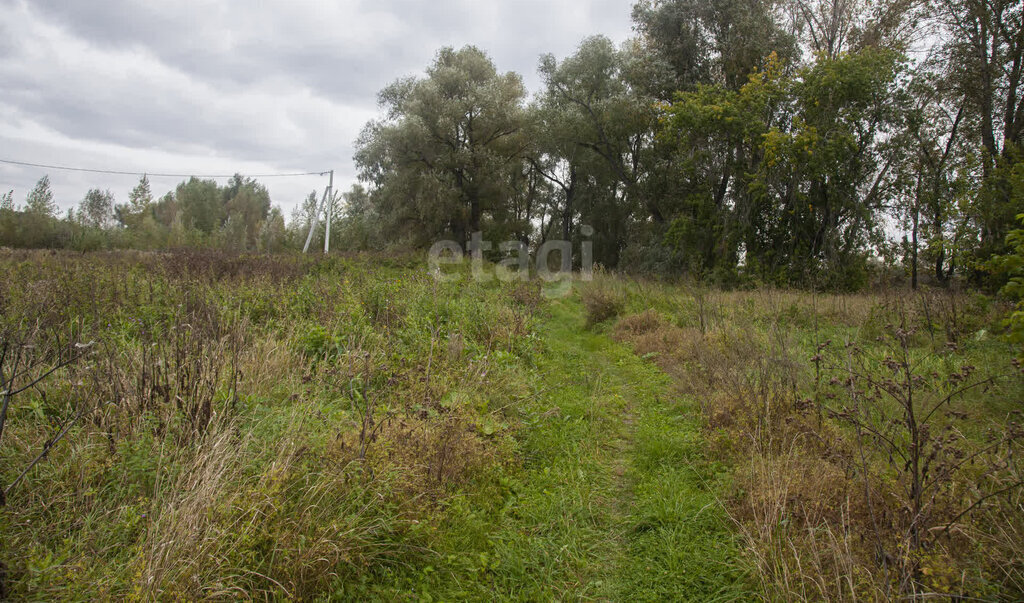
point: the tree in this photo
(273, 234)
(936, 173)
(1011, 266)
(246, 207)
(603, 115)
(591, 137)
(7, 201)
(813, 167)
(141, 196)
(984, 49)
(303, 216)
(40, 199)
(355, 225)
(140, 200)
(96, 209)
(827, 168)
(685, 43)
(200, 204)
(439, 161)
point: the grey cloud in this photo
(282, 84)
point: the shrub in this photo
(602, 303)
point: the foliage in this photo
(871, 438)
(812, 143)
(40, 199)
(440, 158)
(1011, 265)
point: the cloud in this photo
(202, 86)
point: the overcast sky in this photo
(212, 87)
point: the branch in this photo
(978, 502)
(42, 455)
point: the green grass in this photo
(614, 499)
(516, 449)
(571, 471)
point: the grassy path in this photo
(611, 503)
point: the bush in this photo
(602, 303)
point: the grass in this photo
(788, 382)
(613, 499)
(349, 429)
(284, 427)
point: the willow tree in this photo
(440, 160)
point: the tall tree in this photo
(97, 208)
(139, 201)
(40, 199)
(439, 160)
(937, 173)
(690, 42)
(246, 206)
(599, 114)
(984, 44)
(200, 204)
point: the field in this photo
(199, 425)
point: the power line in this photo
(157, 175)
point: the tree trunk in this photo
(913, 246)
(570, 193)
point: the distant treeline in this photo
(798, 143)
(196, 214)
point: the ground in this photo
(616, 500)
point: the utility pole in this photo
(330, 209)
(316, 216)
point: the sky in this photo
(258, 87)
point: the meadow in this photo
(205, 425)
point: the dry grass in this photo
(602, 300)
(250, 427)
(812, 520)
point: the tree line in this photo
(784, 142)
(792, 142)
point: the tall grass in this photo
(267, 426)
(811, 399)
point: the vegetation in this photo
(197, 424)
(795, 375)
(812, 143)
(871, 438)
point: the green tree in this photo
(984, 49)
(303, 216)
(827, 169)
(439, 161)
(598, 112)
(937, 175)
(140, 200)
(40, 199)
(200, 204)
(96, 209)
(357, 225)
(246, 207)
(811, 173)
(141, 196)
(590, 139)
(273, 234)
(685, 43)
